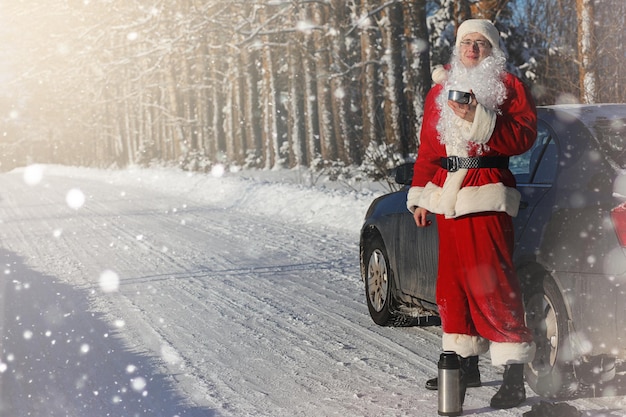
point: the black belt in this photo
(454, 163)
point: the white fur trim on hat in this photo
(482, 26)
(439, 75)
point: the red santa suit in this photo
(478, 293)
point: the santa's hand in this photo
(464, 111)
(420, 217)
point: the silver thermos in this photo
(449, 385)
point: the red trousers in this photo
(478, 292)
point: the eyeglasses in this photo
(480, 44)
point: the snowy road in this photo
(161, 294)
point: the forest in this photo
(330, 85)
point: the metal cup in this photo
(461, 97)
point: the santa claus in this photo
(476, 116)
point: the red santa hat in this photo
(482, 26)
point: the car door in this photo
(535, 172)
(417, 266)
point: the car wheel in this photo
(378, 282)
(551, 373)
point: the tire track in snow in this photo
(285, 330)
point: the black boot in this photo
(466, 363)
(512, 392)
(472, 374)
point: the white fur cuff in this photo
(464, 345)
(510, 353)
(483, 126)
(413, 197)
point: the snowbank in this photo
(293, 195)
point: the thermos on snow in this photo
(450, 392)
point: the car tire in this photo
(378, 282)
(551, 373)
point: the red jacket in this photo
(511, 131)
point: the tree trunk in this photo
(312, 124)
(417, 72)
(340, 82)
(271, 148)
(217, 144)
(324, 99)
(369, 81)
(178, 136)
(461, 12)
(396, 120)
(201, 78)
(252, 120)
(488, 9)
(586, 51)
(295, 106)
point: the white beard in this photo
(485, 81)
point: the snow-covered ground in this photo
(161, 293)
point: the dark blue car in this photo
(570, 249)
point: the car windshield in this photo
(611, 133)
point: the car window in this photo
(546, 165)
(537, 165)
(611, 133)
(520, 167)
